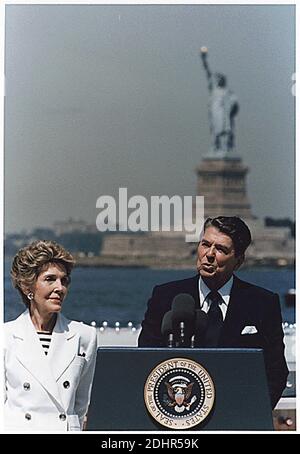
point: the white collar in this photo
(224, 291)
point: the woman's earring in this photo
(30, 296)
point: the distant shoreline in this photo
(169, 263)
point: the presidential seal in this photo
(179, 393)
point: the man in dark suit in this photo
(240, 315)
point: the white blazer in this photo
(47, 392)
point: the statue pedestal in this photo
(222, 182)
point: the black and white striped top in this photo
(45, 339)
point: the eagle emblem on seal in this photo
(179, 391)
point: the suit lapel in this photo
(193, 289)
(63, 348)
(236, 314)
(30, 354)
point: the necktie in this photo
(215, 320)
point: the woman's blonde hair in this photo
(30, 261)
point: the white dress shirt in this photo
(223, 291)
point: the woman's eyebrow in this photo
(54, 275)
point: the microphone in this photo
(167, 328)
(201, 323)
(183, 318)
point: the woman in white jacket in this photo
(49, 360)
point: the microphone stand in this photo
(181, 336)
(193, 341)
(170, 340)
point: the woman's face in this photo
(50, 289)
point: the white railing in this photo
(127, 337)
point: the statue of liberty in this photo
(223, 107)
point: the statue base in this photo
(223, 155)
(222, 182)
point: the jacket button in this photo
(66, 384)
(28, 416)
(26, 386)
(62, 417)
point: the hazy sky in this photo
(100, 97)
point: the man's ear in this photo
(240, 260)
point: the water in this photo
(121, 294)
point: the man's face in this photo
(216, 258)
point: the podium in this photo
(169, 389)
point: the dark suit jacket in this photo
(249, 305)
